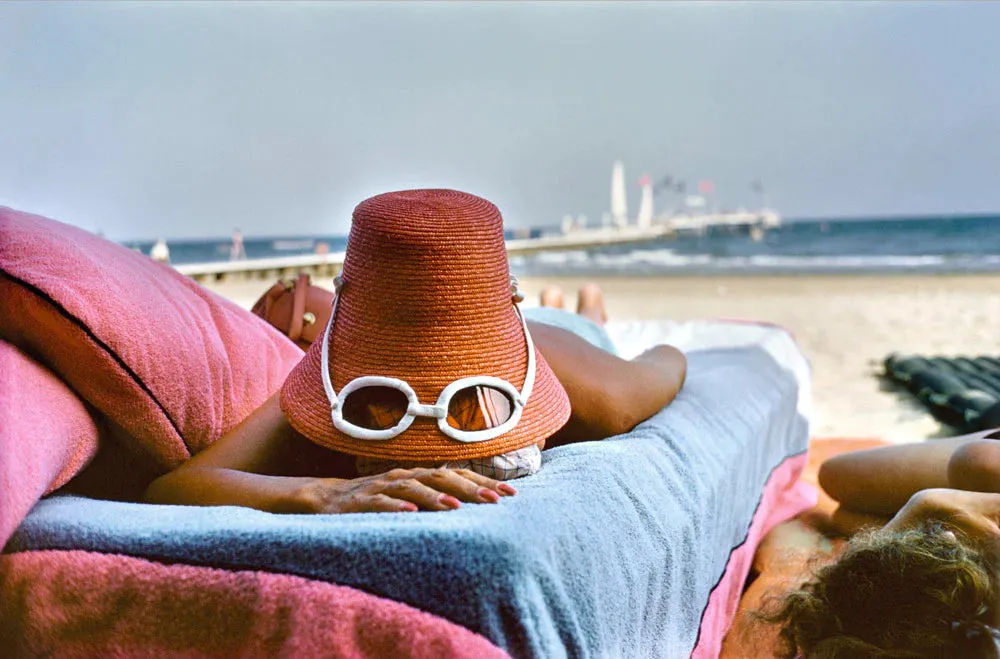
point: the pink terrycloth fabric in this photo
(46, 436)
(784, 497)
(174, 365)
(83, 604)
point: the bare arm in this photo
(974, 514)
(608, 395)
(880, 481)
(265, 464)
(975, 465)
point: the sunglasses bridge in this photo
(434, 411)
(414, 408)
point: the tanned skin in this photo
(880, 481)
(265, 464)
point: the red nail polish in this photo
(489, 495)
(506, 489)
(450, 501)
(408, 508)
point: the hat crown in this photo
(413, 217)
(425, 298)
(432, 256)
(417, 224)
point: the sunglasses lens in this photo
(375, 408)
(479, 408)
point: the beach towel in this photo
(636, 546)
(86, 604)
(787, 555)
(47, 435)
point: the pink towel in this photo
(172, 364)
(82, 604)
(46, 436)
(784, 497)
(171, 367)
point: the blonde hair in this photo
(914, 593)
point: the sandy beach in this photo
(845, 325)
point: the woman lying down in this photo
(925, 584)
(429, 387)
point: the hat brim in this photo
(307, 409)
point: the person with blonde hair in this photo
(926, 584)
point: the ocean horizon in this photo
(936, 244)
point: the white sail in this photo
(619, 205)
(646, 204)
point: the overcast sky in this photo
(189, 119)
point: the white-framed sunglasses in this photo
(472, 409)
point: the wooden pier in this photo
(318, 265)
(328, 265)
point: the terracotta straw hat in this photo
(425, 297)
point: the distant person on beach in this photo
(236, 251)
(429, 386)
(927, 583)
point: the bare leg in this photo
(590, 303)
(552, 296)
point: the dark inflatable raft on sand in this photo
(961, 391)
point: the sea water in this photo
(929, 244)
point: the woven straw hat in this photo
(426, 298)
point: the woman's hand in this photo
(264, 464)
(400, 490)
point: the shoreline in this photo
(846, 324)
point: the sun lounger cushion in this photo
(636, 546)
(46, 435)
(172, 364)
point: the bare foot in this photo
(552, 296)
(590, 303)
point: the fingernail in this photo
(489, 495)
(450, 501)
(506, 489)
(408, 507)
